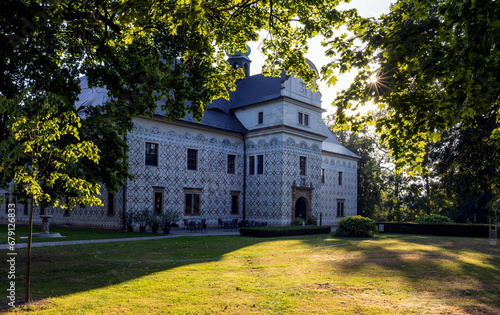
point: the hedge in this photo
(284, 231)
(440, 229)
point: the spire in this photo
(240, 60)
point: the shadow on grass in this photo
(459, 267)
(453, 265)
(64, 270)
(69, 234)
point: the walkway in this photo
(177, 232)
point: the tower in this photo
(240, 60)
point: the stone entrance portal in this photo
(301, 208)
(301, 201)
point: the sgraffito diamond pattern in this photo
(269, 196)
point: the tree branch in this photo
(95, 16)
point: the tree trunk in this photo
(28, 257)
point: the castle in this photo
(263, 155)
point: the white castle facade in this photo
(265, 155)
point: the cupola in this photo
(240, 60)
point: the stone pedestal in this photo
(45, 223)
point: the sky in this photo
(373, 8)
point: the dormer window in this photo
(303, 119)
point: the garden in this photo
(306, 274)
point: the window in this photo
(303, 165)
(111, 204)
(340, 178)
(192, 202)
(303, 119)
(323, 175)
(261, 117)
(340, 207)
(231, 164)
(260, 164)
(251, 165)
(151, 154)
(235, 202)
(192, 159)
(158, 202)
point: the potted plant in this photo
(154, 222)
(128, 219)
(142, 218)
(168, 219)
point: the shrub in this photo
(356, 226)
(141, 217)
(312, 221)
(433, 218)
(284, 231)
(298, 222)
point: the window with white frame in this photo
(303, 119)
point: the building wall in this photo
(269, 196)
(331, 191)
(172, 177)
(96, 216)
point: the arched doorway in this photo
(301, 208)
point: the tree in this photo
(467, 162)
(430, 64)
(146, 54)
(42, 152)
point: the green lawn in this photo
(70, 234)
(318, 274)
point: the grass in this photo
(70, 234)
(315, 274)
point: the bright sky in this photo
(316, 53)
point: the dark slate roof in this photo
(257, 89)
(332, 145)
(252, 90)
(213, 117)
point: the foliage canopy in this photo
(429, 64)
(146, 54)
